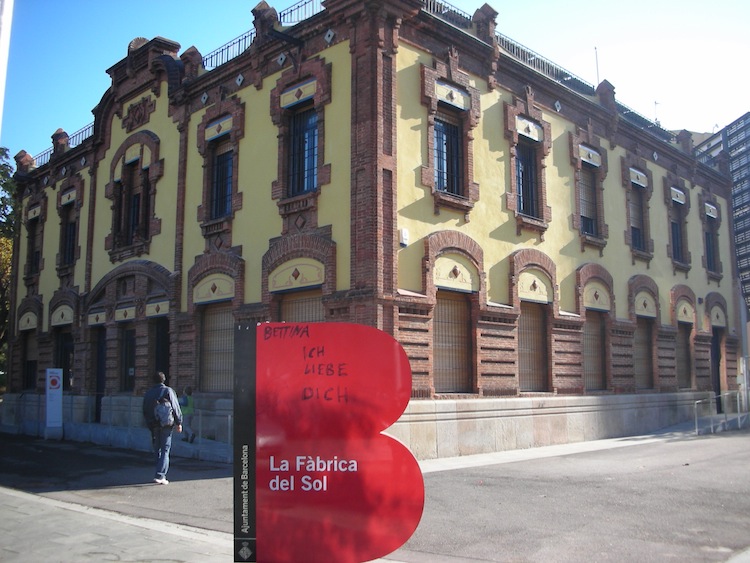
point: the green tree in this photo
(8, 225)
(7, 196)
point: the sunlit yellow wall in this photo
(49, 282)
(259, 221)
(162, 245)
(334, 204)
(494, 228)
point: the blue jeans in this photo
(162, 442)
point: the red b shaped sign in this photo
(329, 485)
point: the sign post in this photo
(329, 485)
(245, 548)
(54, 422)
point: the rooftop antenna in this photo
(656, 118)
(596, 57)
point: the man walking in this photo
(161, 421)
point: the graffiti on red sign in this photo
(330, 485)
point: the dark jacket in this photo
(149, 401)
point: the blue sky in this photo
(681, 62)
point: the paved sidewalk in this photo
(36, 528)
(91, 504)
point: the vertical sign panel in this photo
(244, 444)
(54, 401)
(330, 485)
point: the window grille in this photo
(711, 245)
(533, 369)
(127, 358)
(526, 179)
(35, 250)
(132, 215)
(677, 252)
(135, 216)
(64, 354)
(637, 235)
(30, 360)
(682, 354)
(452, 343)
(69, 229)
(594, 349)
(642, 354)
(221, 189)
(302, 307)
(217, 348)
(589, 211)
(448, 155)
(303, 152)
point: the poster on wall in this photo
(328, 484)
(54, 395)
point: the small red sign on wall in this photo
(329, 485)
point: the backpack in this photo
(163, 411)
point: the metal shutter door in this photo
(642, 357)
(303, 307)
(532, 348)
(451, 343)
(682, 353)
(594, 370)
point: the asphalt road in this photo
(671, 498)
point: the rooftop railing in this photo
(307, 8)
(544, 66)
(447, 12)
(300, 11)
(573, 82)
(291, 16)
(73, 141)
(227, 52)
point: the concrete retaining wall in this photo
(448, 428)
(430, 428)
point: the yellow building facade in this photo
(530, 242)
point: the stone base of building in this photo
(431, 429)
(449, 428)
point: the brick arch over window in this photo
(34, 226)
(69, 204)
(633, 162)
(218, 263)
(677, 202)
(158, 274)
(447, 75)
(211, 138)
(680, 292)
(65, 296)
(30, 304)
(712, 300)
(524, 108)
(639, 283)
(444, 242)
(593, 165)
(527, 258)
(149, 147)
(319, 247)
(711, 259)
(305, 205)
(147, 139)
(231, 107)
(593, 272)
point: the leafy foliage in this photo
(7, 195)
(8, 225)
